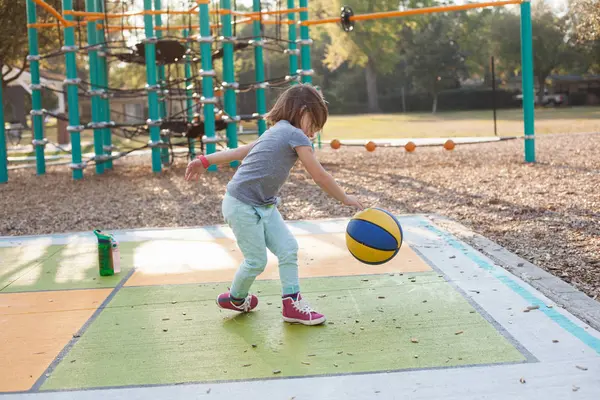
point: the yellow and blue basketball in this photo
(374, 236)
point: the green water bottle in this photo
(105, 258)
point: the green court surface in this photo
(57, 267)
(175, 334)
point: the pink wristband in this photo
(204, 161)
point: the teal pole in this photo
(189, 93)
(292, 50)
(261, 101)
(305, 43)
(3, 154)
(229, 84)
(103, 89)
(154, 121)
(162, 110)
(527, 81)
(207, 73)
(96, 92)
(162, 105)
(37, 114)
(72, 82)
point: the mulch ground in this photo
(547, 213)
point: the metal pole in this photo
(305, 43)
(189, 93)
(72, 82)
(261, 102)
(3, 153)
(494, 94)
(292, 50)
(37, 114)
(207, 73)
(527, 81)
(96, 92)
(229, 84)
(162, 106)
(153, 121)
(103, 85)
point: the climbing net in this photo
(189, 105)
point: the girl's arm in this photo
(224, 157)
(195, 167)
(323, 178)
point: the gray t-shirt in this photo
(267, 166)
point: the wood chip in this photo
(246, 365)
(554, 341)
(575, 388)
(581, 368)
(459, 332)
(277, 371)
(522, 380)
(530, 308)
(305, 363)
(414, 340)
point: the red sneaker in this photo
(249, 304)
(300, 312)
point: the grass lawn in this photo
(464, 123)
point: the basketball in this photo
(373, 236)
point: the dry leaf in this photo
(522, 380)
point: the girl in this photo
(250, 203)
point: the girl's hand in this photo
(353, 202)
(194, 170)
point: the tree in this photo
(550, 45)
(372, 45)
(435, 61)
(586, 18)
(14, 46)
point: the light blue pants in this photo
(257, 229)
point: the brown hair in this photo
(295, 101)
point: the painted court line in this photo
(38, 384)
(562, 321)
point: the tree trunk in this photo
(372, 94)
(435, 99)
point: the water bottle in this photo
(105, 257)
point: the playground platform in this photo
(443, 320)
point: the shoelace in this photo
(302, 306)
(245, 305)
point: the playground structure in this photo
(215, 109)
(411, 145)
